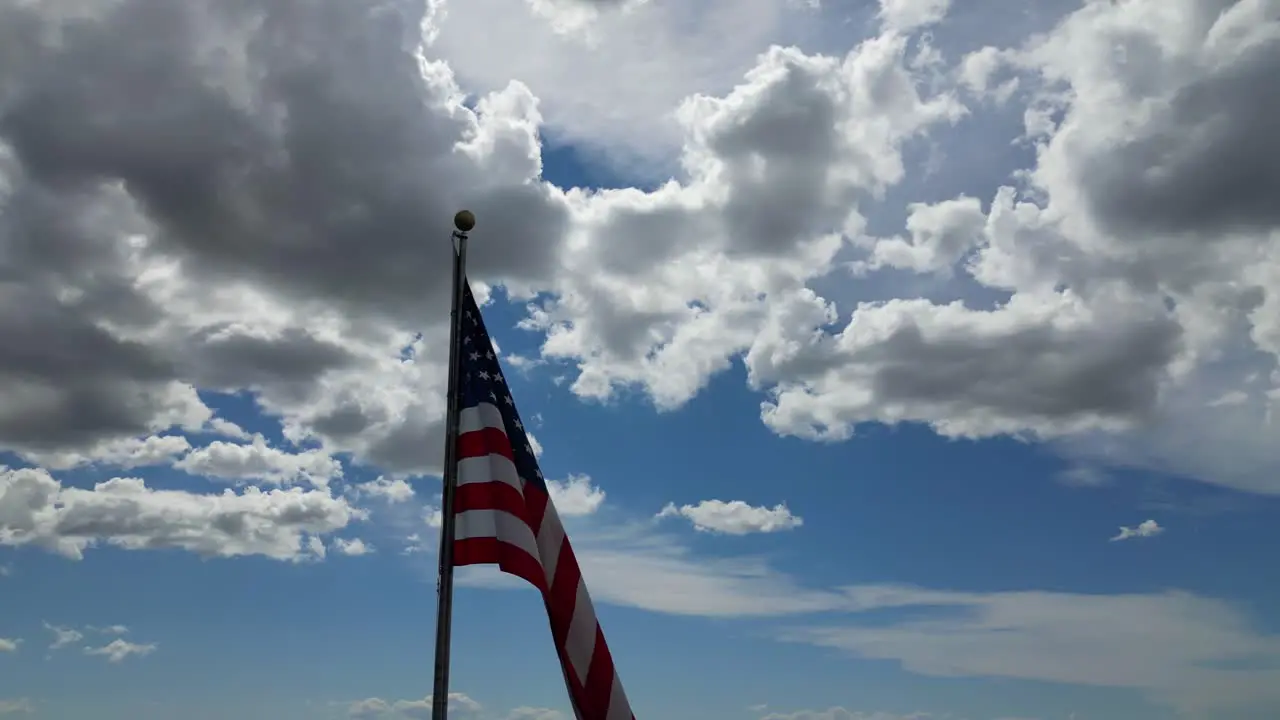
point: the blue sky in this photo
(880, 368)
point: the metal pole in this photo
(464, 221)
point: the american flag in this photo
(505, 517)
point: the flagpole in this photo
(463, 222)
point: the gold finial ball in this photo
(464, 220)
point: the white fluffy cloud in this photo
(392, 490)
(118, 650)
(460, 705)
(734, 517)
(353, 547)
(125, 453)
(259, 461)
(904, 15)
(1145, 529)
(618, 102)
(1107, 341)
(9, 645)
(575, 495)
(36, 509)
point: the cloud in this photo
(460, 705)
(1084, 476)
(839, 713)
(535, 713)
(131, 297)
(631, 564)
(20, 706)
(110, 629)
(6, 570)
(906, 15)
(392, 490)
(8, 645)
(259, 461)
(126, 298)
(125, 453)
(575, 496)
(734, 517)
(607, 74)
(36, 509)
(63, 636)
(118, 650)
(353, 547)
(1131, 265)
(1198, 655)
(1145, 529)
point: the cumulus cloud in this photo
(1145, 529)
(352, 547)
(575, 496)
(734, 517)
(392, 490)
(460, 705)
(905, 15)
(618, 102)
(259, 461)
(124, 453)
(130, 295)
(9, 645)
(118, 650)
(36, 509)
(262, 232)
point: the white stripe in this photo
(619, 708)
(580, 644)
(550, 540)
(488, 468)
(495, 523)
(484, 415)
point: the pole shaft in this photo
(444, 586)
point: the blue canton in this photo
(481, 380)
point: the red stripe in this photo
(536, 500)
(562, 596)
(495, 495)
(599, 685)
(482, 442)
(492, 551)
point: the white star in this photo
(466, 340)
(528, 448)
(519, 426)
(492, 396)
(537, 474)
(497, 377)
(483, 375)
(508, 400)
(489, 354)
(475, 355)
